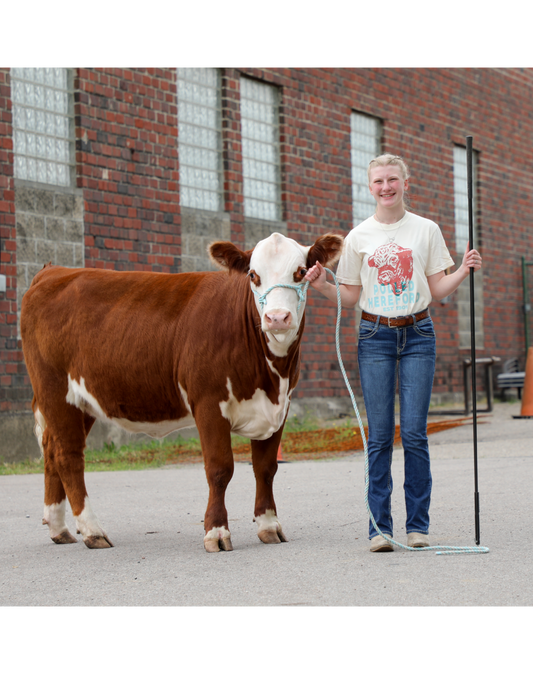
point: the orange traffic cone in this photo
(280, 458)
(527, 394)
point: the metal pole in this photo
(472, 328)
(527, 306)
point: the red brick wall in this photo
(494, 107)
(127, 163)
(316, 198)
(424, 112)
(127, 166)
(13, 392)
(8, 308)
(232, 154)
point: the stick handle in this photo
(470, 181)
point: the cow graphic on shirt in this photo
(395, 266)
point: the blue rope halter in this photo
(301, 290)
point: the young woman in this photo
(394, 264)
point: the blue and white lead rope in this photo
(442, 549)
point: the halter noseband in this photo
(301, 290)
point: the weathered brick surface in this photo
(127, 167)
(14, 384)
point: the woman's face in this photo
(387, 186)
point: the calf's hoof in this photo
(269, 528)
(64, 537)
(213, 545)
(269, 536)
(98, 542)
(218, 539)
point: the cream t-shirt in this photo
(392, 263)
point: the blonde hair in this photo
(389, 159)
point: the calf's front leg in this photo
(265, 463)
(215, 438)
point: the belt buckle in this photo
(388, 322)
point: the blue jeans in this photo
(385, 355)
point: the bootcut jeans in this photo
(407, 355)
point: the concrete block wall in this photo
(50, 228)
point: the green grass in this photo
(127, 457)
(154, 454)
(22, 467)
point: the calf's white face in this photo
(274, 262)
(279, 260)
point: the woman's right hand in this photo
(316, 276)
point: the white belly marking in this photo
(78, 396)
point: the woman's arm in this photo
(441, 285)
(317, 277)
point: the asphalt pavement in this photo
(154, 518)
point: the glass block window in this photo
(365, 146)
(461, 198)
(461, 240)
(260, 150)
(200, 138)
(43, 125)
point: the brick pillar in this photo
(232, 154)
(127, 159)
(15, 392)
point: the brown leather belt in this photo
(401, 322)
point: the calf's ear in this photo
(226, 255)
(327, 250)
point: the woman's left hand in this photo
(472, 259)
(442, 285)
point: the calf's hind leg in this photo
(54, 493)
(63, 443)
(54, 499)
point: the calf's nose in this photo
(278, 320)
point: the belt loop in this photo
(414, 320)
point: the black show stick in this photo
(472, 330)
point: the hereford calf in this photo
(154, 353)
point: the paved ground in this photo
(154, 518)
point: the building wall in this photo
(50, 228)
(127, 194)
(13, 392)
(127, 167)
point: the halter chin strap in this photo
(301, 290)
